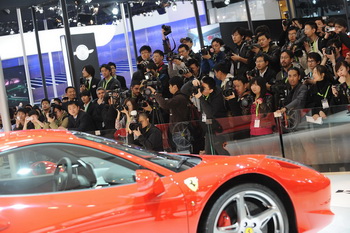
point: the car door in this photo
(103, 197)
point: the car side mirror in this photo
(149, 182)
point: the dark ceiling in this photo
(85, 12)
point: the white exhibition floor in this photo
(340, 203)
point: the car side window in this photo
(52, 167)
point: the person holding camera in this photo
(146, 134)
(332, 55)
(212, 56)
(296, 92)
(108, 82)
(109, 113)
(59, 118)
(314, 42)
(124, 116)
(177, 105)
(341, 91)
(269, 49)
(240, 55)
(20, 118)
(240, 99)
(88, 81)
(32, 121)
(78, 119)
(212, 106)
(188, 41)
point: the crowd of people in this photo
(307, 67)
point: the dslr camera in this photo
(184, 70)
(229, 89)
(167, 29)
(329, 50)
(206, 50)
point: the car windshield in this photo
(176, 163)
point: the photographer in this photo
(147, 135)
(158, 57)
(240, 55)
(20, 118)
(32, 121)
(59, 118)
(188, 41)
(332, 55)
(314, 43)
(108, 82)
(177, 105)
(341, 28)
(160, 82)
(342, 90)
(267, 47)
(296, 45)
(88, 81)
(212, 56)
(109, 112)
(296, 92)
(241, 99)
(221, 71)
(184, 52)
(212, 107)
(124, 117)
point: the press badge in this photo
(325, 103)
(257, 123)
(204, 117)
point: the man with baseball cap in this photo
(188, 41)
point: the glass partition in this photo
(321, 143)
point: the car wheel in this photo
(247, 208)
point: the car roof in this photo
(27, 137)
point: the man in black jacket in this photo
(147, 135)
(88, 81)
(78, 119)
(212, 107)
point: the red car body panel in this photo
(177, 209)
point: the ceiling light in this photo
(227, 2)
(88, 1)
(115, 11)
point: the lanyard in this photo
(325, 95)
(257, 110)
(106, 83)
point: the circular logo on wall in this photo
(82, 52)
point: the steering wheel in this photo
(63, 174)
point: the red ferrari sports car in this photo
(60, 181)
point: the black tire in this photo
(261, 211)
